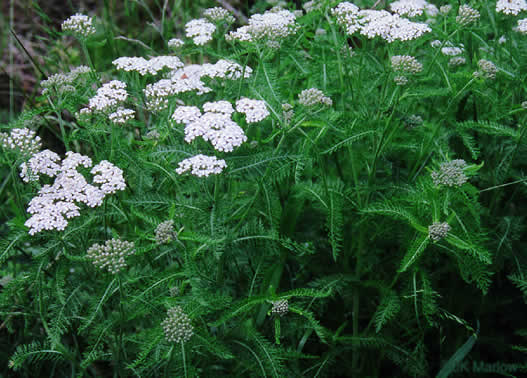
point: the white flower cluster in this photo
(522, 26)
(177, 326)
(254, 110)
(313, 5)
(487, 69)
(373, 23)
(175, 43)
(280, 307)
(63, 82)
(108, 97)
(111, 255)
(313, 96)
(511, 6)
(287, 112)
(55, 203)
(188, 79)
(466, 15)
(406, 64)
(457, 61)
(450, 173)
(450, 50)
(445, 9)
(200, 30)
(274, 25)
(409, 8)
(79, 25)
(215, 125)
(437, 231)
(201, 165)
(165, 232)
(218, 14)
(24, 141)
(400, 80)
(151, 66)
(122, 115)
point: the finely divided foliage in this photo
(327, 191)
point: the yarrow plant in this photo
(266, 191)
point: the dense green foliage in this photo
(328, 207)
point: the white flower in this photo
(373, 23)
(122, 115)
(63, 82)
(109, 177)
(522, 26)
(218, 14)
(110, 256)
(223, 107)
(409, 8)
(175, 43)
(80, 25)
(200, 30)
(254, 110)
(511, 6)
(450, 50)
(151, 66)
(406, 63)
(457, 61)
(186, 114)
(108, 97)
(217, 128)
(25, 141)
(272, 25)
(44, 162)
(201, 165)
(313, 96)
(466, 15)
(56, 203)
(188, 79)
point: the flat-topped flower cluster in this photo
(56, 203)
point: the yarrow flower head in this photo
(108, 98)
(108, 176)
(122, 115)
(400, 80)
(511, 6)
(254, 110)
(274, 25)
(313, 96)
(177, 326)
(374, 23)
(151, 66)
(25, 141)
(218, 14)
(522, 26)
(165, 232)
(280, 307)
(186, 114)
(201, 165)
(406, 64)
(64, 82)
(188, 79)
(466, 15)
(487, 69)
(200, 30)
(456, 61)
(409, 8)
(437, 231)
(79, 25)
(175, 43)
(111, 255)
(450, 173)
(287, 112)
(55, 203)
